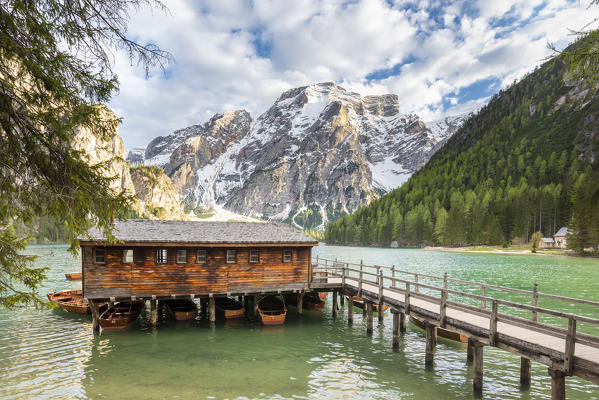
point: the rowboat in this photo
(359, 303)
(323, 295)
(229, 307)
(73, 275)
(182, 309)
(121, 315)
(441, 332)
(70, 301)
(311, 302)
(272, 310)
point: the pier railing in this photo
(364, 278)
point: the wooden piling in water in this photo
(395, 329)
(402, 322)
(369, 316)
(431, 343)
(335, 303)
(470, 353)
(300, 301)
(153, 312)
(342, 299)
(350, 310)
(558, 384)
(93, 305)
(525, 371)
(477, 361)
(255, 306)
(212, 310)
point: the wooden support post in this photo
(300, 301)
(407, 299)
(395, 329)
(240, 298)
(335, 308)
(369, 315)
(470, 353)
(255, 306)
(402, 322)
(381, 303)
(483, 292)
(153, 312)
(535, 301)
(416, 285)
(558, 384)
(445, 280)
(246, 303)
(477, 359)
(212, 310)
(342, 299)
(393, 276)
(93, 305)
(493, 325)
(160, 305)
(525, 371)
(360, 282)
(443, 308)
(431, 343)
(350, 310)
(570, 345)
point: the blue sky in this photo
(440, 57)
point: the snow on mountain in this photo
(318, 152)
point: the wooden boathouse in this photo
(155, 260)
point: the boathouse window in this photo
(181, 256)
(231, 256)
(100, 256)
(128, 256)
(161, 256)
(287, 255)
(254, 256)
(201, 256)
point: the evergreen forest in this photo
(526, 162)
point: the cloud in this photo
(437, 56)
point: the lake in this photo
(51, 354)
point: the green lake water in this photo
(51, 354)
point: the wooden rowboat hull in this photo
(183, 309)
(278, 319)
(272, 311)
(322, 295)
(359, 305)
(73, 275)
(229, 308)
(74, 307)
(121, 315)
(444, 333)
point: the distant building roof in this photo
(562, 232)
(548, 240)
(205, 232)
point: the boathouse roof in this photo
(562, 232)
(202, 232)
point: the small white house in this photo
(546, 243)
(560, 238)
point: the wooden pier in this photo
(565, 351)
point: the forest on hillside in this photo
(523, 163)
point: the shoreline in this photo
(495, 250)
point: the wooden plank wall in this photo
(144, 277)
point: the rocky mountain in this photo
(320, 151)
(156, 197)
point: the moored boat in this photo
(359, 303)
(229, 307)
(323, 295)
(121, 315)
(70, 301)
(272, 310)
(73, 275)
(182, 309)
(441, 332)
